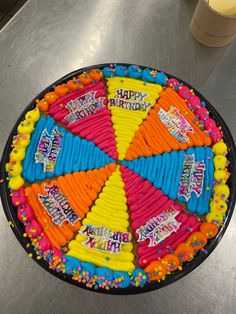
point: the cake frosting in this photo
(182, 175)
(119, 177)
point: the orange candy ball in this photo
(73, 86)
(95, 74)
(198, 240)
(61, 90)
(171, 262)
(50, 97)
(85, 79)
(184, 252)
(156, 270)
(42, 104)
(209, 229)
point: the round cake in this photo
(118, 178)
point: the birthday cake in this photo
(119, 177)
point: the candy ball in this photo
(21, 140)
(195, 102)
(25, 127)
(42, 105)
(16, 182)
(50, 97)
(216, 135)
(15, 169)
(95, 74)
(61, 90)
(184, 92)
(156, 270)
(219, 148)
(221, 191)
(220, 162)
(17, 154)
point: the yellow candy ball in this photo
(22, 140)
(16, 182)
(17, 154)
(220, 162)
(219, 148)
(15, 169)
(221, 191)
(214, 216)
(221, 176)
(218, 205)
(25, 127)
(33, 115)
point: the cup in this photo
(212, 28)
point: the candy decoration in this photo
(96, 74)
(156, 270)
(42, 105)
(209, 229)
(61, 90)
(50, 97)
(218, 205)
(185, 252)
(20, 143)
(171, 262)
(197, 239)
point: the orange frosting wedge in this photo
(80, 190)
(153, 137)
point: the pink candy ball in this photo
(209, 124)
(34, 229)
(195, 102)
(25, 211)
(215, 134)
(202, 113)
(44, 243)
(172, 82)
(184, 92)
(18, 197)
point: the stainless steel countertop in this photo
(49, 38)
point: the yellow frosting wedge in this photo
(104, 238)
(129, 102)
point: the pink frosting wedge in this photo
(159, 223)
(85, 113)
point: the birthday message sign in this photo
(57, 206)
(103, 239)
(175, 123)
(159, 227)
(191, 178)
(131, 100)
(48, 149)
(84, 106)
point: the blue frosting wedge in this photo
(53, 151)
(186, 176)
